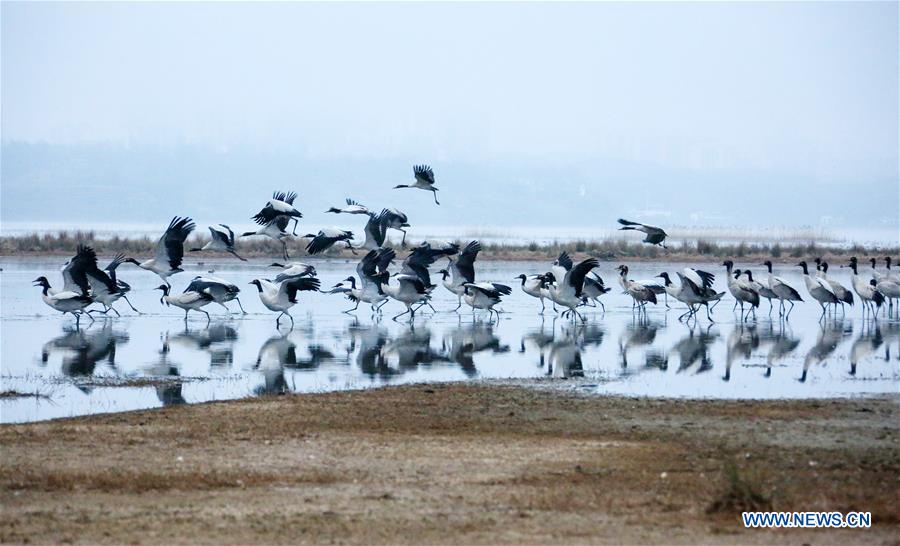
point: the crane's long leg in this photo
(238, 257)
(403, 241)
(241, 306)
(543, 306)
(208, 318)
(284, 251)
(408, 310)
(296, 223)
(434, 194)
(459, 300)
(129, 304)
(348, 311)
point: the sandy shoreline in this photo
(450, 463)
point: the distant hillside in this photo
(145, 184)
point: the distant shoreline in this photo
(62, 244)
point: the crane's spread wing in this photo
(74, 274)
(413, 281)
(287, 197)
(114, 264)
(367, 267)
(170, 248)
(577, 274)
(465, 264)
(564, 261)
(423, 173)
(376, 227)
(701, 279)
(222, 233)
(385, 258)
(300, 284)
(280, 205)
(630, 223)
(326, 239)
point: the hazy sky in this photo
(803, 91)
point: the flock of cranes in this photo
(566, 285)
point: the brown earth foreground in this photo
(458, 463)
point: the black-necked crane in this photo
(326, 238)
(461, 270)
(408, 290)
(890, 289)
(276, 230)
(867, 292)
(567, 282)
(373, 272)
(395, 219)
(890, 273)
(761, 288)
(819, 289)
(485, 295)
(122, 287)
(654, 235)
(593, 288)
(294, 269)
(417, 263)
(654, 286)
(352, 207)
(222, 241)
(189, 301)
(105, 289)
(843, 294)
(281, 205)
(64, 301)
(742, 291)
(222, 291)
(640, 294)
(424, 180)
(169, 250)
(535, 286)
(695, 290)
(375, 231)
(783, 291)
(282, 296)
(877, 275)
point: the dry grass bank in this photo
(64, 243)
(457, 464)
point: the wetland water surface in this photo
(155, 359)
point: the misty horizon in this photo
(757, 115)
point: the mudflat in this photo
(452, 464)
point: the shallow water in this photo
(156, 359)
